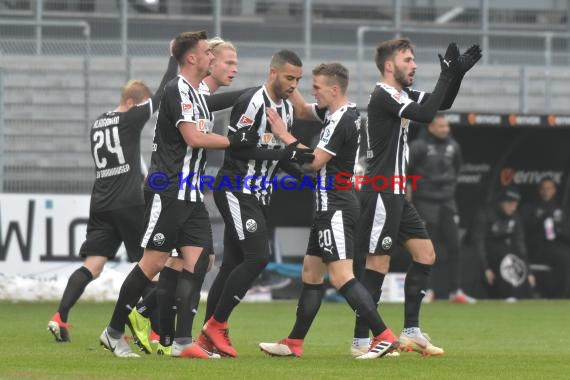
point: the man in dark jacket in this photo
(436, 157)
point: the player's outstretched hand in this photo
(469, 58)
(449, 63)
(244, 138)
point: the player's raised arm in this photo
(450, 68)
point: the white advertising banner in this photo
(40, 238)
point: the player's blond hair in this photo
(218, 44)
(135, 89)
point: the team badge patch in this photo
(251, 225)
(386, 243)
(158, 239)
(245, 121)
(186, 108)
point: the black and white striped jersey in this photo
(387, 133)
(254, 176)
(339, 137)
(115, 147)
(181, 165)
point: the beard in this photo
(278, 91)
(402, 78)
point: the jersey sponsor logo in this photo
(158, 239)
(203, 125)
(245, 121)
(186, 108)
(251, 225)
(269, 139)
(386, 243)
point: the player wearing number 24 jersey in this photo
(117, 204)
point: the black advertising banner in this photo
(502, 150)
(498, 150)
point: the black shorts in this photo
(173, 223)
(245, 218)
(386, 219)
(332, 235)
(106, 230)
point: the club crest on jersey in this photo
(245, 121)
(386, 243)
(251, 225)
(158, 239)
(186, 108)
(326, 135)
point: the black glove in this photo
(244, 138)
(449, 63)
(298, 155)
(469, 58)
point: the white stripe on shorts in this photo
(154, 214)
(337, 226)
(233, 202)
(377, 224)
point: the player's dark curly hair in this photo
(387, 49)
(186, 41)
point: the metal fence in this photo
(63, 62)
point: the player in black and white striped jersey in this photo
(223, 70)
(175, 216)
(331, 240)
(241, 196)
(387, 217)
(117, 204)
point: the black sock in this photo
(76, 284)
(188, 283)
(307, 308)
(372, 281)
(166, 302)
(148, 304)
(361, 302)
(155, 320)
(238, 283)
(130, 292)
(415, 287)
(200, 270)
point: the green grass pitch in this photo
(488, 340)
